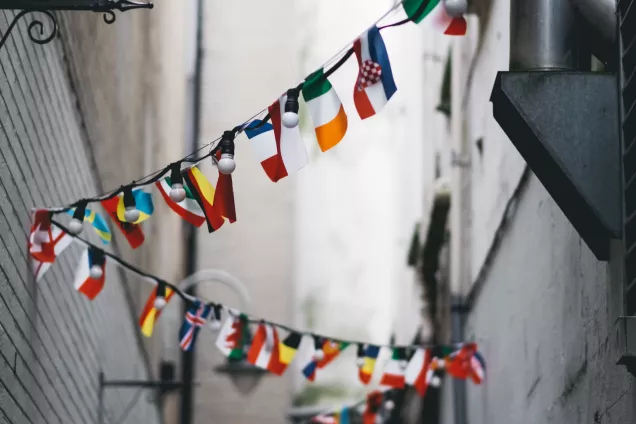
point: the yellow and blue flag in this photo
(98, 223)
(143, 203)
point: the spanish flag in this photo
(203, 193)
(286, 352)
(150, 314)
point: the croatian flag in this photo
(375, 84)
(195, 318)
(280, 150)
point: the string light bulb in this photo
(97, 261)
(456, 8)
(290, 117)
(226, 163)
(160, 296)
(77, 223)
(177, 192)
(131, 214)
(319, 354)
(435, 381)
(389, 405)
(360, 356)
(215, 322)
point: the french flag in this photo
(375, 84)
(84, 281)
(280, 150)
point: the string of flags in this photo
(265, 344)
(277, 142)
(377, 405)
(275, 138)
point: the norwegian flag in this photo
(196, 317)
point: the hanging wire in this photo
(339, 59)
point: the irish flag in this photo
(187, 209)
(150, 314)
(375, 85)
(433, 12)
(203, 193)
(325, 108)
(394, 373)
(264, 349)
(419, 371)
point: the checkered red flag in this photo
(370, 73)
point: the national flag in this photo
(326, 110)
(143, 203)
(394, 373)
(280, 149)
(98, 222)
(195, 318)
(324, 419)
(150, 314)
(188, 208)
(84, 283)
(203, 193)
(331, 349)
(460, 363)
(61, 241)
(370, 357)
(132, 232)
(286, 352)
(234, 337)
(478, 366)
(434, 12)
(41, 246)
(224, 195)
(264, 351)
(375, 84)
(374, 403)
(419, 371)
(343, 416)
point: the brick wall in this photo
(56, 146)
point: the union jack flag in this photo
(195, 318)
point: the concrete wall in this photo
(54, 342)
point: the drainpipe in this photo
(187, 358)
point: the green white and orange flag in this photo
(433, 13)
(328, 115)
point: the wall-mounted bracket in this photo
(36, 27)
(565, 125)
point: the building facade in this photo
(81, 115)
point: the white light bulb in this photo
(389, 405)
(290, 119)
(131, 214)
(215, 325)
(456, 8)
(360, 362)
(96, 272)
(435, 381)
(177, 193)
(226, 164)
(319, 355)
(403, 364)
(75, 226)
(160, 302)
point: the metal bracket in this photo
(46, 7)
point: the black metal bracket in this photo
(565, 125)
(46, 7)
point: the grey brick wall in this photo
(541, 317)
(53, 342)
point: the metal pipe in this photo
(601, 15)
(542, 35)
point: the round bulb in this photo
(404, 363)
(96, 272)
(360, 362)
(290, 119)
(160, 303)
(131, 214)
(75, 226)
(456, 8)
(389, 405)
(215, 325)
(319, 355)
(435, 381)
(177, 193)
(226, 164)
